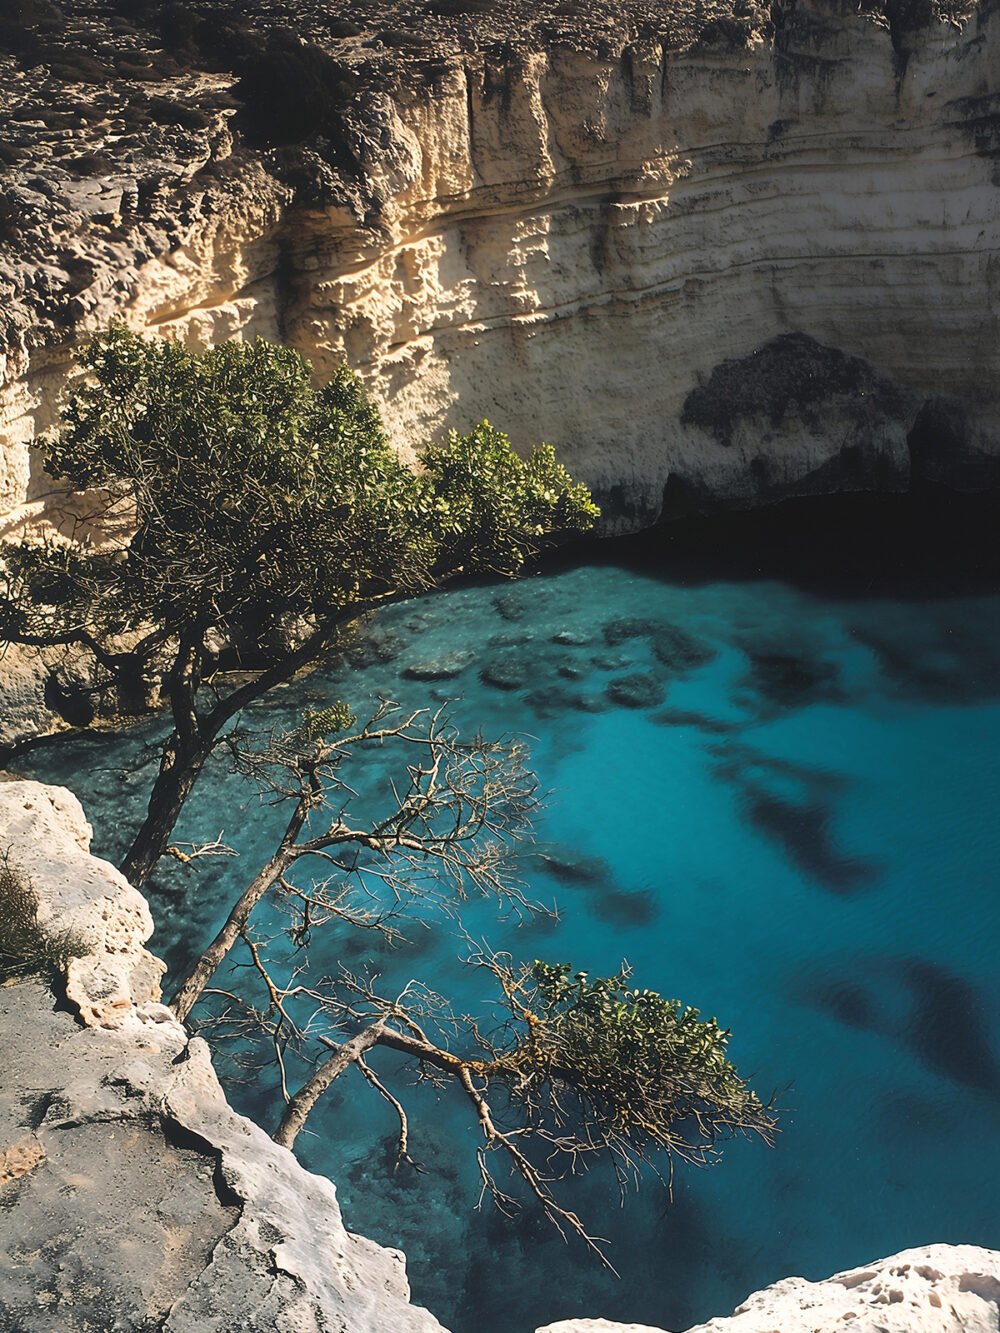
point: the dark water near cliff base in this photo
(795, 829)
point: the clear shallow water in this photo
(800, 838)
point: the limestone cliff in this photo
(131, 1195)
(580, 222)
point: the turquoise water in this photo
(784, 815)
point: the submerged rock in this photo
(506, 673)
(680, 651)
(445, 667)
(629, 627)
(637, 691)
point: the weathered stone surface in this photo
(564, 217)
(85, 897)
(132, 1197)
(937, 1289)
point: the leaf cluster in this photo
(246, 499)
(647, 1072)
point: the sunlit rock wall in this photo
(570, 245)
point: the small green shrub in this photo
(26, 946)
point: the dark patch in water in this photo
(373, 646)
(568, 866)
(591, 703)
(611, 661)
(553, 701)
(916, 1116)
(742, 763)
(509, 640)
(681, 652)
(803, 831)
(505, 673)
(573, 638)
(793, 680)
(680, 717)
(629, 627)
(943, 661)
(947, 1029)
(849, 1003)
(445, 667)
(678, 650)
(636, 691)
(939, 1016)
(510, 607)
(624, 907)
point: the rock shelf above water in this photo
(133, 1196)
(937, 1289)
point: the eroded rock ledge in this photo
(932, 1290)
(131, 1195)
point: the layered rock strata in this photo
(565, 222)
(131, 1195)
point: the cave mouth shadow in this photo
(928, 542)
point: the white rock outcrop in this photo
(936, 1289)
(131, 1194)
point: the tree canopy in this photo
(249, 517)
(252, 497)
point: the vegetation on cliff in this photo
(251, 518)
(248, 520)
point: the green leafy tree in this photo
(580, 1070)
(250, 517)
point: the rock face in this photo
(131, 1195)
(939, 1289)
(569, 222)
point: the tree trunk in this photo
(299, 1108)
(183, 759)
(194, 739)
(179, 772)
(190, 989)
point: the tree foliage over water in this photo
(247, 520)
(560, 1070)
(249, 517)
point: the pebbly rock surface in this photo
(132, 1196)
(571, 218)
(937, 1289)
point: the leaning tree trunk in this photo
(299, 1108)
(179, 771)
(183, 759)
(189, 991)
